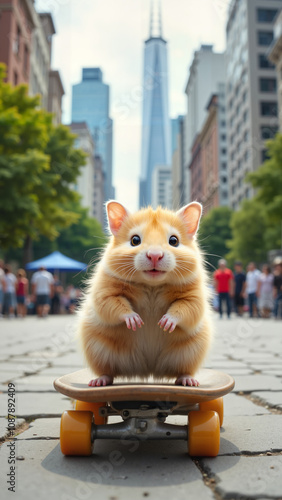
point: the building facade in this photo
(17, 21)
(178, 199)
(156, 132)
(90, 103)
(162, 187)
(208, 166)
(40, 57)
(55, 95)
(205, 73)
(85, 181)
(251, 90)
(275, 56)
(99, 197)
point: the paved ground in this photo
(33, 352)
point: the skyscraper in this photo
(156, 131)
(252, 115)
(90, 104)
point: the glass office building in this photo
(90, 104)
(156, 128)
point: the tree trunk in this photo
(28, 251)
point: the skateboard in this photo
(143, 409)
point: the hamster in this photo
(146, 310)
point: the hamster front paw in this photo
(187, 380)
(132, 320)
(168, 322)
(101, 381)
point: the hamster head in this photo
(153, 246)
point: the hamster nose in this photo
(154, 256)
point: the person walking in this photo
(252, 279)
(224, 285)
(240, 286)
(22, 292)
(56, 299)
(42, 287)
(277, 291)
(265, 292)
(9, 288)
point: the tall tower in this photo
(90, 104)
(156, 147)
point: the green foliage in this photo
(248, 234)
(38, 163)
(213, 234)
(268, 181)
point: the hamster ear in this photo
(191, 214)
(116, 214)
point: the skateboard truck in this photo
(143, 409)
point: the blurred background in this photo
(156, 102)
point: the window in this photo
(268, 132)
(224, 179)
(16, 45)
(246, 136)
(266, 15)
(245, 116)
(15, 78)
(246, 155)
(267, 84)
(223, 166)
(244, 97)
(268, 108)
(223, 151)
(264, 155)
(223, 123)
(264, 63)
(223, 137)
(25, 64)
(265, 37)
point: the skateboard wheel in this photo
(75, 434)
(214, 405)
(203, 433)
(94, 407)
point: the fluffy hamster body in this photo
(146, 311)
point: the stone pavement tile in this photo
(58, 371)
(4, 423)
(239, 405)
(10, 375)
(227, 364)
(258, 382)
(266, 366)
(74, 360)
(42, 381)
(251, 434)
(270, 398)
(117, 470)
(37, 404)
(239, 371)
(13, 365)
(42, 428)
(247, 477)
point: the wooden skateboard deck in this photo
(213, 384)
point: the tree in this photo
(38, 164)
(249, 233)
(268, 181)
(213, 234)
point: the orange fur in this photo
(120, 286)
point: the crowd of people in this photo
(257, 291)
(42, 295)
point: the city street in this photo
(33, 352)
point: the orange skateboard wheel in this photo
(203, 433)
(214, 405)
(94, 407)
(75, 433)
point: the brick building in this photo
(17, 22)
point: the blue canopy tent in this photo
(56, 261)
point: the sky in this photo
(110, 34)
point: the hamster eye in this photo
(173, 241)
(135, 240)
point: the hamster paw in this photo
(133, 320)
(187, 380)
(168, 322)
(101, 381)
